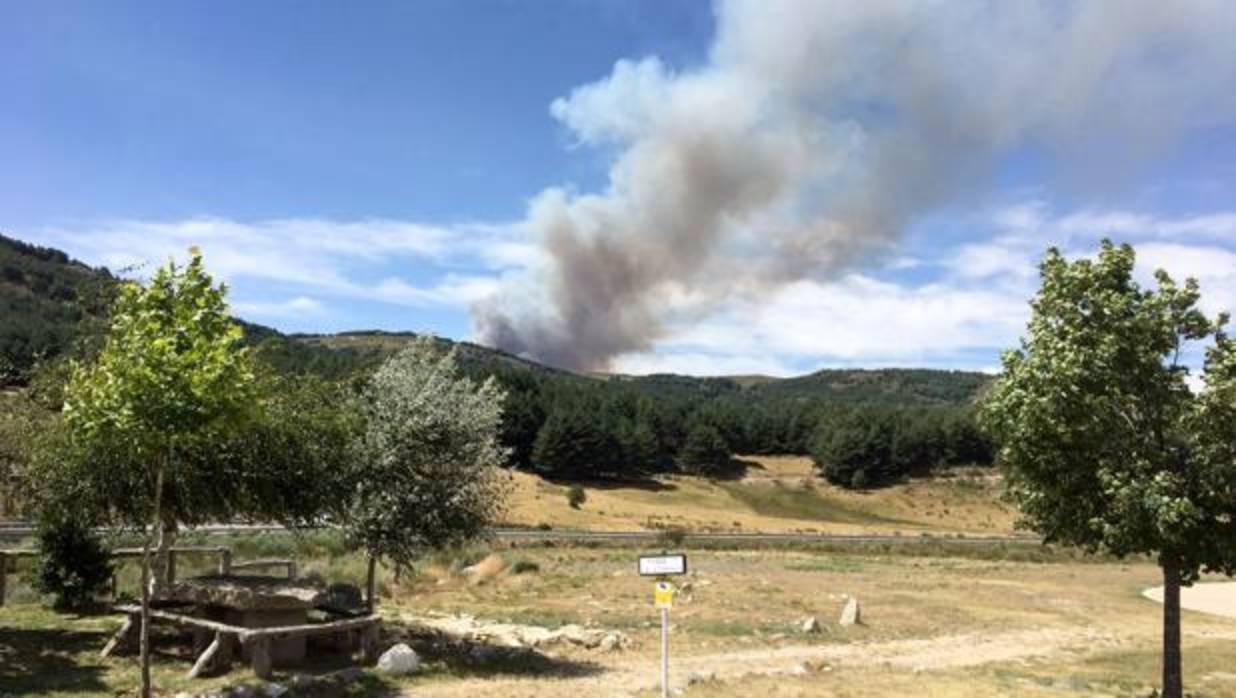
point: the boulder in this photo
(399, 660)
(486, 569)
(811, 625)
(851, 614)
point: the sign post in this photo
(662, 566)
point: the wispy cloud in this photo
(360, 260)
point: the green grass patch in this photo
(805, 503)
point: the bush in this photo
(524, 567)
(74, 565)
(576, 496)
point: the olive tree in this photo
(1106, 446)
(171, 373)
(427, 462)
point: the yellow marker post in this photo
(662, 566)
(663, 597)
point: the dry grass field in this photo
(935, 623)
(777, 494)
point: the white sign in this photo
(658, 565)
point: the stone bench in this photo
(224, 638)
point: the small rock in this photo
(183, 694)
(850, 614)
(698, 677)
(811, 625)
(801, 670)
(399, 660)
(274, 690)
(610, 643)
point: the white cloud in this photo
(299, 306)
(359, 260)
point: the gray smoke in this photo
(818, 131)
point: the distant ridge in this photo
(51, 304)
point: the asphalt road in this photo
(15, 531)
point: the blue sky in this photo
(398, 165)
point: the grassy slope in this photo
(778, 494)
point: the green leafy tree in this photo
(705, 451)
(426, 472)
(1107, 448)
(170, 373)
(568, 445)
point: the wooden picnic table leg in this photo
(260, 651)
(217, 655)
(369, 643)
(124, 638)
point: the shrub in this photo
(576, 496)
(524, 567)
(74, 566)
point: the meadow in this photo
(937, 619)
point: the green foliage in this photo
(568, 445)
(22, 425)
(525, 567)
(74, 566)
(576, 496)
(171, 375)
(870, 447)
(1107, 447)
(49, 303)
(425, 473)
(635, 425)
(705, 451)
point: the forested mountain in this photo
(863, 426)
(48, 302)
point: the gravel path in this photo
(1217, 598)
(620, 677)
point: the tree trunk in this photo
(162, 576)
(369, 583)
(1173, 681)
(157, 523)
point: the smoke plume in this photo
(817, 131)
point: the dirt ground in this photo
(775, 494)
(931, 626)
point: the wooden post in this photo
(171, 566)
(225, 561)
(369, 643)
(4, 575)
(292, 569)
(123, 639)
(260, 650)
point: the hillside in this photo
(49, 302)
(776, 494)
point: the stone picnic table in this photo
(268, 617)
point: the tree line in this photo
(575, 429)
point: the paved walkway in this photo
(1217, 598)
